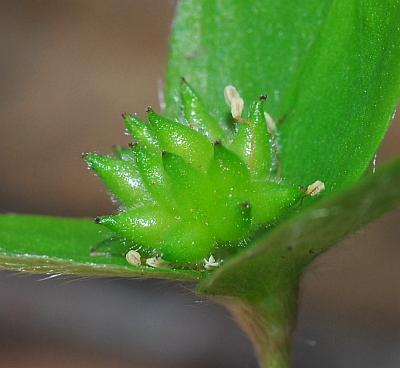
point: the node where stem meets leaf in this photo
(260, 284)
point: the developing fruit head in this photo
(191, 188)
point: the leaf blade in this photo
(62, 245)
(315, 60)
(344, 96)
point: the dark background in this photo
(68, 69)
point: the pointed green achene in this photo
(177, 138)
(188, 243)
(270, 200)
(141, 132)
(151, 169)
(190, 190)
(121, 178)
(252, 142)
(230, 180)
(197, 114)
(147, 225)
(190, 186)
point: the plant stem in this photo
(269, 325)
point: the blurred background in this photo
(68, 70)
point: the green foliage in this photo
(58, 246)
(331, 70)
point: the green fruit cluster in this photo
(188, 188)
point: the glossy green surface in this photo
(55, 245)
(331, 69)
(197, 114)
(186, 195)
(253, 143)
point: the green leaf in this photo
(331, 70)
(63, 245)
(260, 284)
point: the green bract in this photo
(191, 189)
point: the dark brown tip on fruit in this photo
(97, 220)
(245, 205)
(218, 142)
(124, 115)
(149, 109)
(183, 80)
(263, 97)
(164, 153)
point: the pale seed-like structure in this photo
(189, 188)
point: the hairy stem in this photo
(269, 325)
